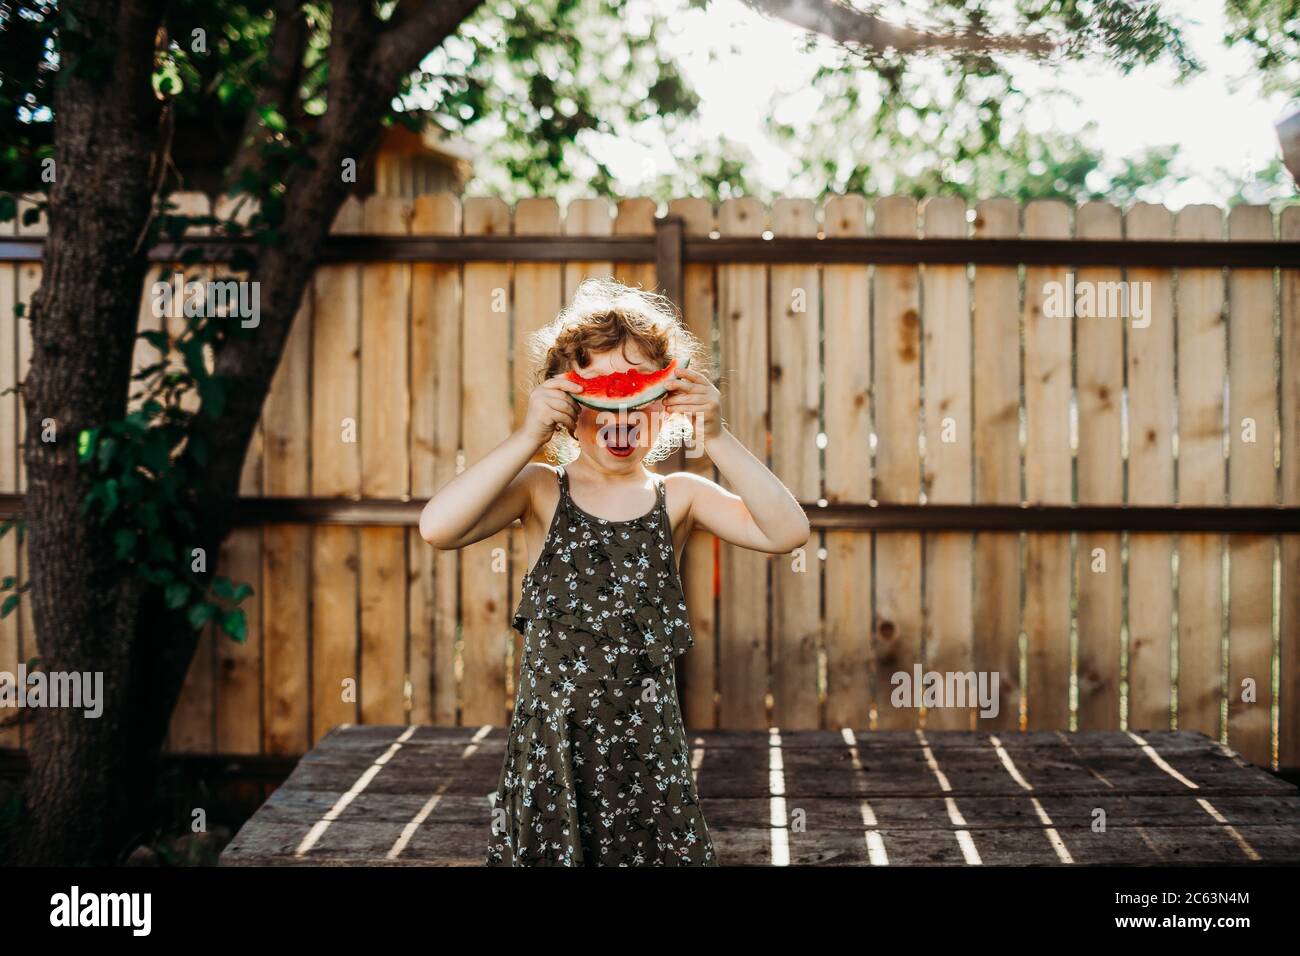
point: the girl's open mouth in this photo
(619, 440)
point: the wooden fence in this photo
(1021, 465)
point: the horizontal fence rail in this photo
(1156, 519)
(1081, 252)
(1101, 512)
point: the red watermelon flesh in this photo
(622, 390)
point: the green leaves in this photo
(101, 500)
(124, 542)
(236, 626)
(231, 620)
(272, 119)
(157, 339)
(10, 583)
(86, 443)
(176, 595)
(200, 613)
(213, 392)
(155, 451)
(227, 590)
(197, 448)
(146, 471)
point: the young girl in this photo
(597, 768)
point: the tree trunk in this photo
(83, 321)
(89, 797)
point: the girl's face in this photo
(615, 440)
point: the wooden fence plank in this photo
(795, 309)
(286, 549)
(996, 387)
(385, 468)
(10, 736)
(1289, 625)
(847, 306)
(486, 415)
(946, 330)
(587, 217)
(238, 704)
(198, 204)
(335, 471)
(192, 728)
(194, 722)
(1151, 481)
(383, 626)
(897, 389)
(9, 376)
(240, 209)
(538, 292)
(150, 318)
(28, 281)
(1202, 365)
(636, 217)
(147, 320)
(435, 441)
(742, 610)
(237, 700)
(1047, 480)
(698, 683)
(538, 299)
(1100, 363)
(1252, 406)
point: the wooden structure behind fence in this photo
(932, 383)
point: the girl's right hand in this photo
(549, 406)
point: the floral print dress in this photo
(597, 769)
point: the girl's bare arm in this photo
(493, 492)
(761, 514)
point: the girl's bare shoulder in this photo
(537, 471)
(689, 479)
(538, 475)
(539, 482)
(687, 485)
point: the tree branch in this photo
(279, 90)
(417, 27)
(852, 27)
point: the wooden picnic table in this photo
(420, 796)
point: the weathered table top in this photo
(420, 796)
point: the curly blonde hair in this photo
(605, 315)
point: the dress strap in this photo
(664, 519)
(565, 503)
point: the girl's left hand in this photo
(693, 395)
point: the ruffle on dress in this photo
(644, 629)
(643, 606)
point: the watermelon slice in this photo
(619, 391)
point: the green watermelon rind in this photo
(614, 405)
